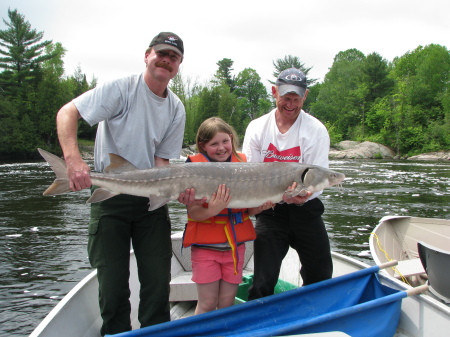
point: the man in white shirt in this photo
(289, 134)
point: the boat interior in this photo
(397, 240)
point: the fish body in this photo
(250, 184)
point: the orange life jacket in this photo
(232, 226)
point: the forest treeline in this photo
(403, 104)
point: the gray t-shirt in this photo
(133, 122)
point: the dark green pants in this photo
(114, 224)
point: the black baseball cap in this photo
(168, 41)
(291, 80)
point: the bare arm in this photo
(161, 161)
(67, 125)
(219, 200)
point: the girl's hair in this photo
(210, 127)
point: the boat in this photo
(398, 238)
(356, 304)
(77, 314)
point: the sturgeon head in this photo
(317, 178)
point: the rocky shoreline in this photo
(368, 150)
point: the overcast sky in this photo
(108, 38)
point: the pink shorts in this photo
(212, 265)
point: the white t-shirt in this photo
(307, 141)
(133, 122)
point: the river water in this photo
(43, 239)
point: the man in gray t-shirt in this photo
(142, 120)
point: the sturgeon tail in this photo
(61, 184)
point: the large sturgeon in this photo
(250, 184)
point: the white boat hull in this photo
(78, 315)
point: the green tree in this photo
(228, 106)
(374, 83)
(78, 84)
(208, 105)
(375, 74)
(52, 92)
(23, 54)
(188, 91)
(252, 95)
(313, 94)
(223, 74)
(27, 63)
(177, 86)
(422, 83)
(16, 132)
(290, 61)
(9, 122)
(340, 102)
(426, 71)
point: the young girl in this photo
(217, 234)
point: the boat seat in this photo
(409, 268)
(436, 262)
(182, 288)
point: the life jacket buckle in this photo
(236, 218)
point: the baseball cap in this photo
(291, 80)
(168, 41)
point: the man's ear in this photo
(306, 94)
(274, 91)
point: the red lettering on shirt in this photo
(290, 155)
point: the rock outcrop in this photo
(432, 156)
(365, 150)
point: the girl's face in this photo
(220, 147)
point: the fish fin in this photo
(156, 202)
(61, 184)
(101, 194)
(300, 192)
(118, 164)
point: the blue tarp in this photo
(356, 303)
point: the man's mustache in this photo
(164, 65)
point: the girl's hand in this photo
(188, 198)
(219, 200)
(266, 205)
